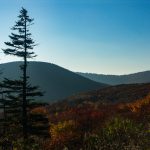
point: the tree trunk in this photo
(25, 130)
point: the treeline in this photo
(20, 127)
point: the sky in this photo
(97, 36)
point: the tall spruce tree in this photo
(21, 45)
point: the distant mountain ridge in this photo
(55, 81)
(140, 77)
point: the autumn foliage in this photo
(96, 126)
(122, 126)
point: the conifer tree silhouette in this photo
(21, 45)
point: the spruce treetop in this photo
(21, 42)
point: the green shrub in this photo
(119, 134)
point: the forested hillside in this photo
(140, 77)
(113, 94)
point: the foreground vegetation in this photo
(123, 126)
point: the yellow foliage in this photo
(57, 130)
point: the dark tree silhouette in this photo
(19, 103)
(21, 45)
(12, 101)
(11, 108)
(2, 113)
(10, 114)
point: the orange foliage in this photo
(137, 105)
(42, 110)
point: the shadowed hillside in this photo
(113, 94)
(55, 81)
(140, 77)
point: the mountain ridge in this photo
(139, 77)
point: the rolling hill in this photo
(109, 95)
(140, 77)
(55, 81)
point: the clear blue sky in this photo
(101, 36)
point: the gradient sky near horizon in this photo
(100, 36)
